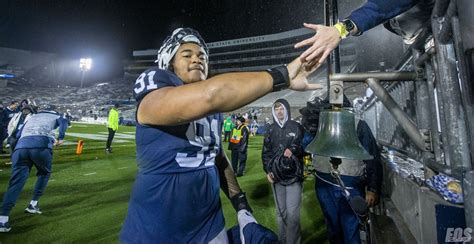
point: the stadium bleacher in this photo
(260, 53)
(243, 54)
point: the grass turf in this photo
(87, 195)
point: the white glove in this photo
(244, 217)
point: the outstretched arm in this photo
(182, 104)
(376, 12)
(326, 39)
(369, 15)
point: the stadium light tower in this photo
(85, 64)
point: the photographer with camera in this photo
(282, 156)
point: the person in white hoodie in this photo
(282, 158)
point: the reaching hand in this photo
(299, 72)
(270, 178)
(287, 153)
(371, 198)
(325, 40)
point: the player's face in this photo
(190, 63)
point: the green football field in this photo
(87, 195)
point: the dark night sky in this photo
(112, 29)
(112, 26)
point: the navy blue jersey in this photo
(175, 198)
(173, 149)
(153, 79)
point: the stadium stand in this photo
(245, 54)
(257, 53)
(47, 74)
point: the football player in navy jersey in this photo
(182, 166)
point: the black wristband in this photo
(240, 202)
(280, 76)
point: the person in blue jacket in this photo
(34, 148)
(369, 15)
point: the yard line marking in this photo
(65, 149)
(123, 168)
(93, 173)
(102, 136)
(118, 135)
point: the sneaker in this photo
(108, 150)
(5, 227)
(33, 209)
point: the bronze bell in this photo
(337, 137)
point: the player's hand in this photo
(287, 153)
(270, 178)
(244, 217)
(371, 198)
(299, 73)
(239, 202)
(326, 39)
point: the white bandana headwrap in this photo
(171, 44)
